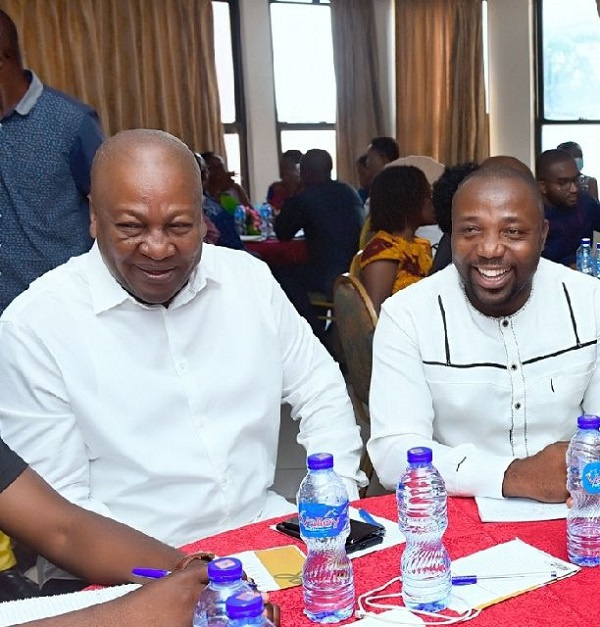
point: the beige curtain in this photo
(359, 109)
(139, 63)
(439, 80)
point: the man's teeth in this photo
(492, 273)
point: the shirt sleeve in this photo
(37, 419)
(89, 137)
(290, 219)
(402, 416)
(315, 389)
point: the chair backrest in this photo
(355, 320)
(355, 264)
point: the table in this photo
(571, 602)
(276, 253)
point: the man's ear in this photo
(545, 228)
(93, 225)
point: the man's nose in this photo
(490, 245)
(157, 245)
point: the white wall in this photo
(511, 95)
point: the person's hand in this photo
(542, 477)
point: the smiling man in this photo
(144, 379)
(571, 214)
(491, 360)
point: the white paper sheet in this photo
(17, 612)
(518, 510)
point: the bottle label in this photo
(322, 521)
(590, 478)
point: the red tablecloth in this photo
(571, 602)
(276, 253)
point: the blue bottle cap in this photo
(419, 455)
(225, 569)
(585, 240)
(587, 421)
(247, 604)
(319, 461)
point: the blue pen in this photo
(364, 514)
(467, 580)
(150, 573)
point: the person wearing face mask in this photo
(587, 184)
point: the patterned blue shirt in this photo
(47, 143)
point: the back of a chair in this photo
(355, 320)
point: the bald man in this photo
(571, 214)
(490, 361)
(156, 366)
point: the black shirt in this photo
(11, 466)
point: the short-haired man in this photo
(491, 360)
(571, 214)
(381, 151)
(146, 384)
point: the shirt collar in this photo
(32, 95)
(107, 293)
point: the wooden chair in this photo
(356, 320)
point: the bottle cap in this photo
(587, 421)
(419, 455)
(319, 461)
(585, 240)
(247, 604)
(225, 569)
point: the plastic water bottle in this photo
(327, 577)
(583, 483)
(583, 257)
(224, 580)
(245, 609)
(239, 216)
(266, 220)
(423, 518)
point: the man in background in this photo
(571, 214)
(46, 150)
(331, 215)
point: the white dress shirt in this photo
(482, 391)
(168, 419)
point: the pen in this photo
(466, 580)
(364, 514)
(150, 573)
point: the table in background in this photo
(276, 253)
(571, 602)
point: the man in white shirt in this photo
(491, 360)
(146, 385)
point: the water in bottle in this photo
(423, 518)
(327, 578)
(245, 609)
(239, 216)
(266, 220)
(583, 257)
(225, 580)
(583, 483)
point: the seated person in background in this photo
(222, 219)
(380, 152)
(138, 362)
(490, 361)
(395, 258)
(97, 549)
(331, 215)
(587, 184)
(364, 179)
(442, 194)
(290, 182)
(571, 215)
(221, 186)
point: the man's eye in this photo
(181, 227)
(129, 226)
(513, 232)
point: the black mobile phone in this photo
(362, 535)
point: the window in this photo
(227, 44)
(569, 77)
(305, 91)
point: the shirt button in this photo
(182, 366)
(504, 323)
(517, 405)
(513, 366)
